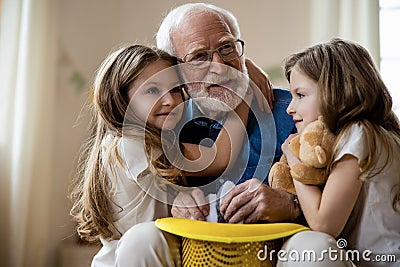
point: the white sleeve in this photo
(353, 143)
(133, 156)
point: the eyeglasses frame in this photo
(211, 52)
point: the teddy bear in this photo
(314, 147)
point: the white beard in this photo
(224, 99)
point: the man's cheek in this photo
(194, 89)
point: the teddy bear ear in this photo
(321, 155)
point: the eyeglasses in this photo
(227, 52)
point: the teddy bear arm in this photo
(294, 146)
(308, 175)
(321, 155)
(279, 178)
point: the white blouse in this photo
(373, 224)
(139, 193)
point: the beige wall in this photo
(89, 29)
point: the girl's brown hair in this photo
(92, 192)
(351, 91)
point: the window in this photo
(389, 20)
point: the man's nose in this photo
(217, 64)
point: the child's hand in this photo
(191, 205)
(291, 158)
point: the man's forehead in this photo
(202, 45)
(200, 31)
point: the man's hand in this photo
(191, 204)
(260, 84)
(253, 201)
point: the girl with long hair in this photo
(360, 200)
(124, 179)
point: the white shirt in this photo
(139, 194)
(373, 224)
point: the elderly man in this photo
(206, 33)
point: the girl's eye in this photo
(300, 96)
(153, 90)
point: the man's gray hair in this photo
(174, 18)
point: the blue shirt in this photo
(266, 133)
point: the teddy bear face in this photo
(316, 143)
(314, 148)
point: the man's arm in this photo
(261, 85)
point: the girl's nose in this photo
(168, 99)
(290, 110)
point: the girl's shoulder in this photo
(353, 142)
(127, 151)
(356, 129)
(112, 141)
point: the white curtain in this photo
(356, 20)
(27, 89)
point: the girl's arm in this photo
(328, 210)
(212, 161)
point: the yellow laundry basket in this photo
(223, 244)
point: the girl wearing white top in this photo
(125, 179)
(360, 201)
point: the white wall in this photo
(89, 29)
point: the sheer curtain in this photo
(357, 20)
(27, 89)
